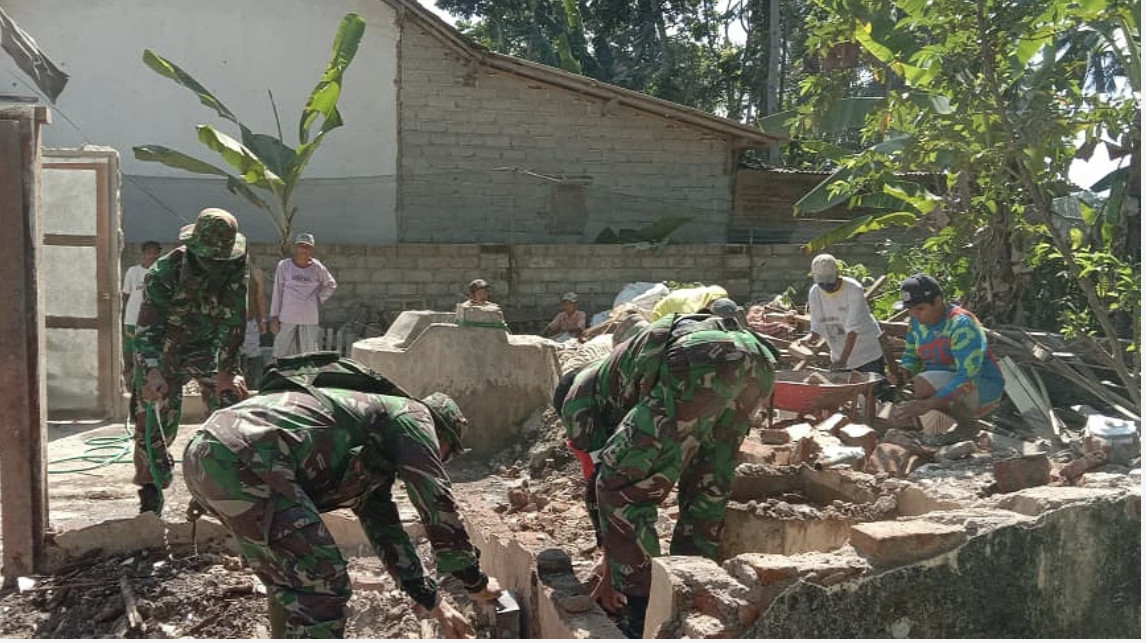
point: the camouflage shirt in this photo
(602, 394)
(351, 456)
(191, 321)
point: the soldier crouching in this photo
(269, 466)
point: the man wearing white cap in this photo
(569, 321)
(302, 283)
(839, 312)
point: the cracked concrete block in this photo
(825, 486)
(752, 527)
(772, 573)
(687, 587)
(913, 500)
(891, 543)
(757, 481)
(701, 626)
(1039, 500)
(498, 380)
(127, 535)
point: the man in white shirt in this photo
(302, 283)
(132, 292)
(839, 313)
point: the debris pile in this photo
(210, 595)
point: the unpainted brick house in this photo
(445, 142)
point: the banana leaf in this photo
(860, 225)
(238, 156)
(180, 161)
(324, 98)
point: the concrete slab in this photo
(497, 379)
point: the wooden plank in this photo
(22, 384)
(57, 321)
(82, 240)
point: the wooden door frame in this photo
(108, 244)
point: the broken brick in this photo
(1073, 471)
(889, 543)
(774, 436)
(753, 452)
(859, 435)
(1023, 472)
(833, 423)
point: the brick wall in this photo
(529, 280)
(459, 122)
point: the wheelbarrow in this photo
(821, 393)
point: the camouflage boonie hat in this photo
(448, 420)
(214, 235)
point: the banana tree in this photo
(264, 170)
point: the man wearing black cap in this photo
(954, 370)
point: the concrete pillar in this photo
(23, 410)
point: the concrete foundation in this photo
(1043, 562)
(497, 379)
(792, 510)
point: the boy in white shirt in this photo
(839, 313)
(132, 292)
(302, 283)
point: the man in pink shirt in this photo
(301, 284)
(569, 321)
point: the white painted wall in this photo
(238, 49)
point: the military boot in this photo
(633, 623)
(150, 499)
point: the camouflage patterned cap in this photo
(214, 235)
(448, 420)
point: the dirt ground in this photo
(202, 596)
(533, 487)
(210, 595)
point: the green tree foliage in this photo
(263, 161)
(707, 54)
(992, 100)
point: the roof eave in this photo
(740, 135)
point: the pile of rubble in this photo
(152, 594)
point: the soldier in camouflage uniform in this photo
(190, 327)
(268, 466)
(687, 387)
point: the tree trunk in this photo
(772, 82)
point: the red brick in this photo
(890, 543)
(1013, 474)
(775, 454)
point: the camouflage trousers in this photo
(688, 428)
(156, 424)
(278, 529)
